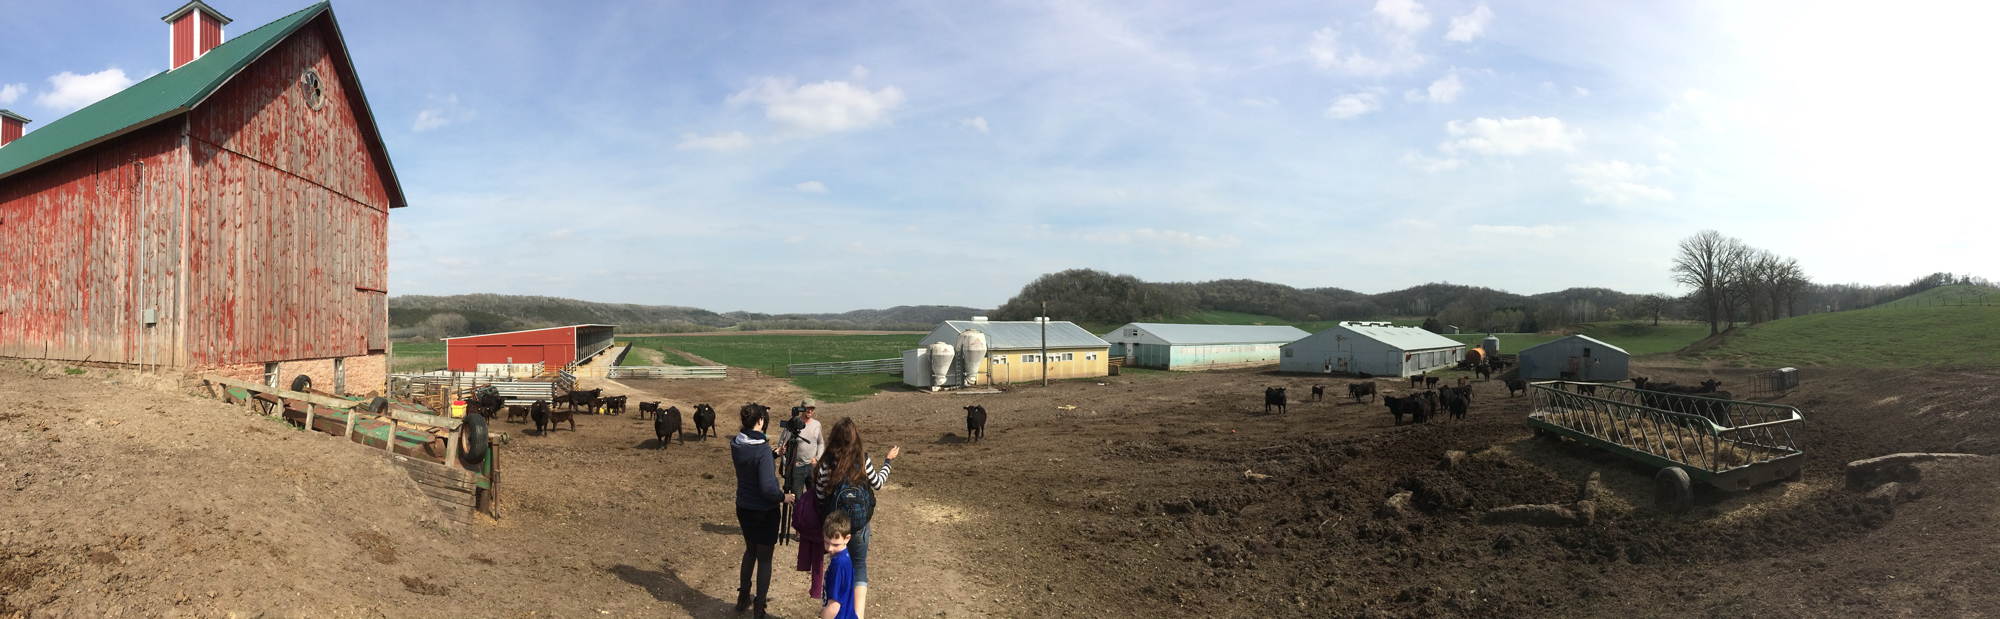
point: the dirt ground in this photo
(1123, 496)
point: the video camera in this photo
(796, 424)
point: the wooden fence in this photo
(871, 366)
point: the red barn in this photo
(553, 347)
(230, 214)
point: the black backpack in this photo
(856, 499)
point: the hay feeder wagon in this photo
(1728, 444)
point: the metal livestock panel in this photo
(91, 241)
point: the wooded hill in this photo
(1098, 297)
(448, 316)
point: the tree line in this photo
(1731, 282)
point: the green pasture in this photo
(770, 354)
(415, 358)
(1953, 295)
(636, 358)
(1908, 337)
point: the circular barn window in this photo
(314, 91)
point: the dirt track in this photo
(1134, 503)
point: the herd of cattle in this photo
(666, 421)
(1430, 401)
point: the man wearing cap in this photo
(810, 443)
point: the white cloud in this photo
(1617, 183)
(1582, 92)
(1509, 136)
(72, 92)
(824, 107)
(721, 142)
(1539, 232)
(441, 112)
(1430, 164)
(1327, 52)
(10, 92)
(811, 187)
(976, 123)
(1469, 26)
(1350, 106)
(1445, 90)
(1405, 15)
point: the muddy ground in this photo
(123, 498)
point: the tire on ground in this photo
(302, 383)
(1673, 493)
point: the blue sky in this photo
(823, 156)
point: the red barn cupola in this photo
(11, 126)
(196, 28)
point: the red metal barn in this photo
(230, 214)
(554, 347)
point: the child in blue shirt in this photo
(839, 568)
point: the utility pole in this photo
(1045, 343)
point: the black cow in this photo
(704, 420)
(1319, 391)
(1399, 407)
(560, 416)
(1430, 381)
(540, 413)
(1356, 390)
(1587, 389)
(614, 405)
(517, 411)
(975, 422)
(668, 423)
(1274, 396)
(1458, 401)
(1485, 371)
(487, 404)
(1516, 385)
(1417, 381)
(585, 398)
(1430, 405)
(648, 407)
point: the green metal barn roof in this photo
(165, 95)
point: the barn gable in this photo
(181, 90)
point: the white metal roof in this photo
(1404, 338)
(1208, 334)
(1586, 338)
(1016, 334)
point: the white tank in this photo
(940, 363)
(972, 354)
(1491, 345)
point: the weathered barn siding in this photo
(256, 226)
(90, 242)
(292, 214)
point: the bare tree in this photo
(1652, 305)
(440, 326)
(1708, 263)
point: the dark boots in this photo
(742, 601)
(758, 610)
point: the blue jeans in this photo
(857, 551)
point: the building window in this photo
(1289, 351)
(271, 374)
(340, 376)
(999, 359)
(1031, 359)
(1090, 356)
(1068, 356)
(1132, 332)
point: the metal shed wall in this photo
(1345, 349)
(1589, 358)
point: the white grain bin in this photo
(941, 356)
(1491, 345)
(972, 354)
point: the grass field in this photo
(1908, 337)
(1636, 337)
(413, 358)
(1955, 294)
(771, 353)
(637, 358)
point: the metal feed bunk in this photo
(1727, 444)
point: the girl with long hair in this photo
(845, 461)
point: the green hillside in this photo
(1908, 337)
(1636, 337)
(1955, 294)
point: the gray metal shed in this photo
(1200, 347)
(1372, 348)
(1587, 358)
